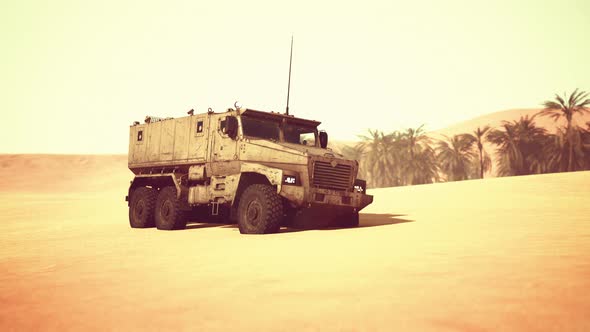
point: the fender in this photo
(273, 175)
(156, 180)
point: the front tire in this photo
(169, 215)
(141, 207)
(260, 210)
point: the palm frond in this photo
(561, 101)
(551, 105)
(480, 132)
(584, 104)
(573, 98)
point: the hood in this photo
(311, 150)
(297, 148)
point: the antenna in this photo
(289, 84)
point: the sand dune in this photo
(506, 254)
(62, 173)
(495, 119)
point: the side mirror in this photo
(323, 139)
(232, 127)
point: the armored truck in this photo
(258, 169)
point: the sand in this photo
(507, 254)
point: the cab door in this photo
(223, 147)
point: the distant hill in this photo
(64, 173)
(495, 120)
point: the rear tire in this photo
(169, 215)
(260, 210)
(141, 207)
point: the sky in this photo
(75, 74)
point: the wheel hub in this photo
(139, 209)
(166, 210)
(253, 212)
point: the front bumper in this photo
(325, 197)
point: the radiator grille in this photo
(327, 177)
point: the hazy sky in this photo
(74, 75)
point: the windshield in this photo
(260, 128)
(299, 134)
(268, 129)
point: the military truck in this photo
(258, 169)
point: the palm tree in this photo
(357, 152)
(554, 150)
(370, 143)
(581, 150)
(577, 103)
(510, 157)
(379, 159)
(479, 136)
(585, 138)
(456, 156)
(520, 146)
(419, 165)
(396, 159)
(532, 140)
(414, 139)
(423, 168)
(354, 152)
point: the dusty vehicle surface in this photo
(258, 169)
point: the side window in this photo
(307, 139)
(223, 126)
(200, 127)
(140, 136)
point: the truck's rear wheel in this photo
(348, 220)
(260, 210)
(141, 207)
(169, 215)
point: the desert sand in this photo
(503, 254)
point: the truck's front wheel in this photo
(141, 207)
(169, 215)
(260, 210)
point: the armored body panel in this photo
(170, 142)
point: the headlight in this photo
(360, 186)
